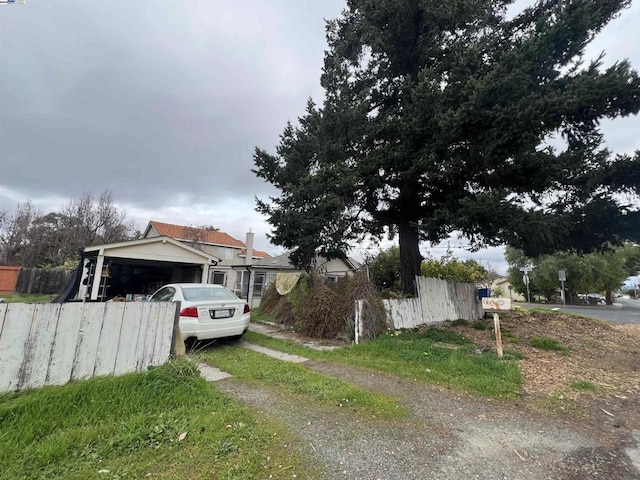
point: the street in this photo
(625, 311)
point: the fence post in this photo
(358, 320)
(496, 327)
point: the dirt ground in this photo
(607, 356)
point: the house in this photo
(265, 271)
(502, 288)
(230, 252)
(166, 253)
(169, 253)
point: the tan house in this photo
(231, 252)
(502, 288)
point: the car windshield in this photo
(207, 293)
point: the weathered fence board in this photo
(64, 344)
(42, 344)
(87, 346)
(13, 341)
(437, 301)
(41, 336)
(109, 338)
(127, 353)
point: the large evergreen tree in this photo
(439, 117)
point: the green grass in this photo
(460, 322)
(417, 355)
(557, 404)
(31, 298)
(508, 335)
(514, 355)
(246, 364)
(549, 343)
(583, 385)
(129, 427)
(479, 325)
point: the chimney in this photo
(248, 259)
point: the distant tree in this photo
(384, 268)
(436, 119)
(454, 270)
(209, 228)
(29, 238)
(592, 273)
(14, 235)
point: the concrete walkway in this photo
(273, 353)
(213, 374)
(277, 332)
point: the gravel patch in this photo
(447, 435)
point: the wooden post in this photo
(358, 321)
(496, 327)
(178, 348)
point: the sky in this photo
(162, 102)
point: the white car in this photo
(206, 311)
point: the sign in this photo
(502, 304)
(562, 275)
(525, 279)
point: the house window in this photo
(259, 283)
(226, 253)
(218, 278)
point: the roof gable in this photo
(155, 248)
(194, 234)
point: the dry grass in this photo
(326, 310)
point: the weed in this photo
(583, 385)
(460, 322)
(479, 325)
(558, 404)
(549, 343)
(513, 355)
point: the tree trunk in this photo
(608, 295)
(410, 257)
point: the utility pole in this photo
(525, 278)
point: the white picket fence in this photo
(437, 301)
(52, 344)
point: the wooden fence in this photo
(8, 279)
(437, 301)
(52, 344)
(42, 280)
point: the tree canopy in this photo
(444, 117)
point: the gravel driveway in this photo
(447, 435)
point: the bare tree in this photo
(28, 238)
(15, 243)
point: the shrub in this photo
(327, 310)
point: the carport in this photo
(137, 268)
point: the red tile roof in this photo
(180, 232)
